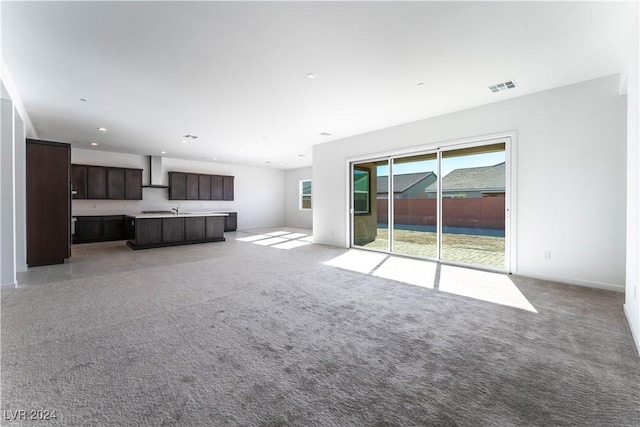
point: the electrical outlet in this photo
(547, 254)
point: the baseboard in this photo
(8, 286)
(634, 333)
(577, 282)
(22, 268)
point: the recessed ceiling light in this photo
(215, 158)
(325, 134)
(101, 129)
(163, 152)
(94, 143)
(311, 75)
(184, 141)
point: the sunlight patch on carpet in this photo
(486, 286)
(254, 238)
(279, 239)
(483, 285)
(271, 241)
(291, 244)
(406, 270)
(358, 261)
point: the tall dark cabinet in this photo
(48, 182)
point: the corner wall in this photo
(7, 189)
(632, 297)
(293, 215)
(571, 177)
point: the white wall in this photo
(13, 126)
(293, 215)
(7, 189)
(632, 297)
(20, 147)
(259, 192)
(571, 171)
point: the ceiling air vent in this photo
(502, 86)
(190, 136)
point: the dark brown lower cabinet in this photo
(231, 222)
(113, 227)
(99, 228)
(172, 230)
(48, 202)
(88, 229)
(194, 228)
(215, 226)
(144, 233)
(148, 231)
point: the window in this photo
(305, 194)
(361, 191)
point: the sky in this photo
(448, 164)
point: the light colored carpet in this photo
(243, 334)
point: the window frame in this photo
(302, 195)
(366, 171)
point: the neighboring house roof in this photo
(484, 178)
(401, 182)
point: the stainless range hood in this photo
(155, 172)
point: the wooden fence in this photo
(482, 212)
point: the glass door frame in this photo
(508, 139)
(351, 209)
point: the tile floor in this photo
(102, 258)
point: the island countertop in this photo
(171, 215)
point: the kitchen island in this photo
(156, 230)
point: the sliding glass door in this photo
(447, 204)
(473, 205)
(415, 216)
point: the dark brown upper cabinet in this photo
(216, 187)
(79, 181)
(227, 188)
(204, 187)
(177, 186)
(96, 182)
(192, 186)
(115, 184)
(100, 182)
(133, 184)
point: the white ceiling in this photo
(235, 73)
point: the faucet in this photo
(176, 210)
